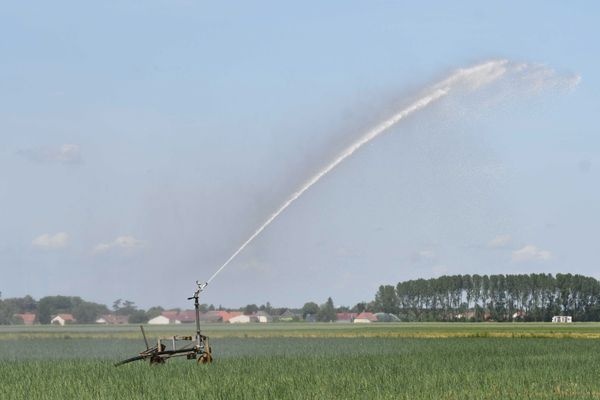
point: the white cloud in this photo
(65, 154)
(123, 242)
(530, 253)
(499, 241)
(50, 242)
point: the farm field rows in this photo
(309, 361)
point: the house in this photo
(62, 319)
(175, 317)
(519, 315)
(112, 319)
(562, 319)
(345, 317)
(227, 315)
(211, 316)
(159, 320)
(243, 319)
(27, 318)
(186, 316)
(365, 318)
(289, 316)
(171, 315)
(263, 317)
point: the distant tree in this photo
(6, 312)
(155, 311)
(22, 304)
(250, 309)
(386, 299)
(203, 308)
(310, 308)
(127, 308)
(211, 308)
(359, 307)
(266, 308)
(138, 317)
(88, 312)
(326, 311)
(51, 305)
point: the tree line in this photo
(527, 297)
(523, 297)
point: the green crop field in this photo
(309, 361)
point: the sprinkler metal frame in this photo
(195, 348)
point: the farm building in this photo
(62, 319)
(27, 318)
(160, 320)
(365, 318)
(562, 319)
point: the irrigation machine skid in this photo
(193, 348)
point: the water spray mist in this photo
(471, 78)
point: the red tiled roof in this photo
(182, 316)
(231, 314)
(345, 316)
(28, 318)
(186, 316)
(367, 315)
(171, 315)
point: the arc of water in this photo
(474, 76)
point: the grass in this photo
(321, 361)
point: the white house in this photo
(562, 319)
(240, 319)
(160, 320)
(62, 319)
(264, 317)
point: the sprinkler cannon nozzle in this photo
(200, 288)
(202, 285)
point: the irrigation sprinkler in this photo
(193, 348)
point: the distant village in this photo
(216, 316)
(563, 298)
(231, 317)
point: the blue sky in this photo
(142, 142)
